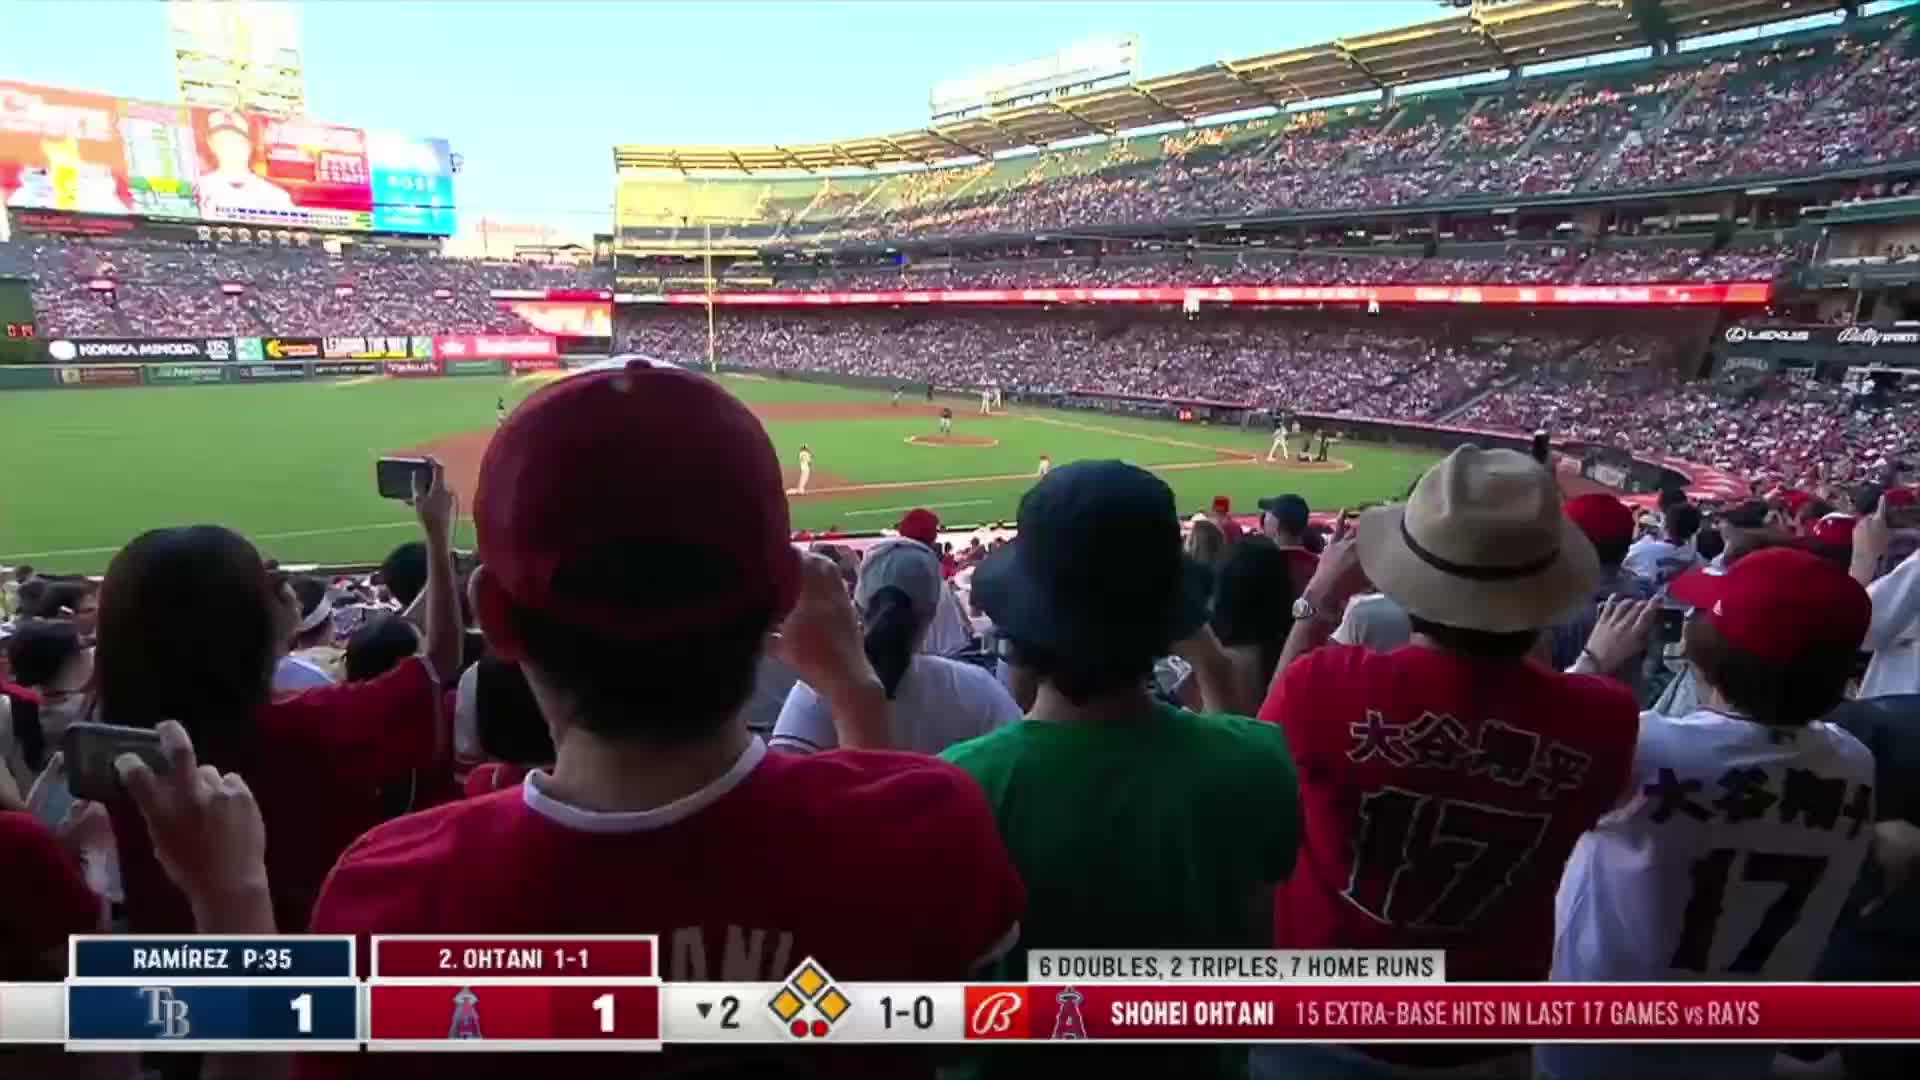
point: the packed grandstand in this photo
(1678, 233)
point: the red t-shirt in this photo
(1442, 796)
(46, 897)
(881, 866)
(321, 757)
(1301, 564)
(494, 776)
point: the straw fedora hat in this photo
(1481, 544)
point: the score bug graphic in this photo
(808, 1003)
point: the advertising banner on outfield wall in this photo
(128, 350)
(254, 350)
(475, 367)
(280, 372)
(1893, 343)
(101, 375)
(494, 346)
(411, 369)
(28, 377)
(383, 347)
(176, 374)
(333, 369)
(522, 367)
(1748, 292)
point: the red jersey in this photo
(47, 898)
(1301, 564)
(881, 866)
(320, 759)
(1442, 796)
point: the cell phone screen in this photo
(91, 750)
(393, 476)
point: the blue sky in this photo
(535, 95)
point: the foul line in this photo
(1161, 439)
(335, 530)
(920, 506)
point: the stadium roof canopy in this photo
(1489, 38)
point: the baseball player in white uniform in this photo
(1279, 445)
(806, 470)
(1732, 852)
(1046, 466)
(986, 400)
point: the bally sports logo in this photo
(1873, 336)
(997, 1012)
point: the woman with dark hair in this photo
(1253, 614)
(307, 633)
(189, 631)
(76, 600)
(47, 658)
(934, 702)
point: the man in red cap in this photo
(639, 632)
(952, 632)
(1223, 516)
(1745, 823)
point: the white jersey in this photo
(1730, 859)
(806, 460)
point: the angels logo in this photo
(1068, 1023)
(466, 1015)
(219, 349)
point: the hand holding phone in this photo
(395, 476)
(91, 749)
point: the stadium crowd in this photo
(1793, 105)
(154, 288)
(556, 737)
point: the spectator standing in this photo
(319, 757)
(1608, 525)
(511, 732)
(1894, 635)
(309, 614)
(1444, 783)
(1660, 559)
(641, 676)
(1285, 519)
(1222, 516)
(1745, 823)
(950, 633)
(1253, 596)
(933, 702)
(1135, 824)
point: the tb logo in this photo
(165, 1012)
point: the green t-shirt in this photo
(1154, 834)
(1159, 834)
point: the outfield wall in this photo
(201, 373)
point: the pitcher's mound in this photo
(974, 441)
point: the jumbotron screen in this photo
(93, 154)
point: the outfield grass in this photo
(291, 464)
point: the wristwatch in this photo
(1303, 608)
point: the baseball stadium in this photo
(1280, 538)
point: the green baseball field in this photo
(291, 464)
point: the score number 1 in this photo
(604, 1006)
(302, 1007)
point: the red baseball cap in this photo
(1779, 602)
(1834, 530)
(1899, 496)
(1603, 518)
(920, 524)
(598, 458)
(1222, 504)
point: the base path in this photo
(461, 452)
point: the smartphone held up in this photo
(91, 750)
(394, 476)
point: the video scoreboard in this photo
(572, 993)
